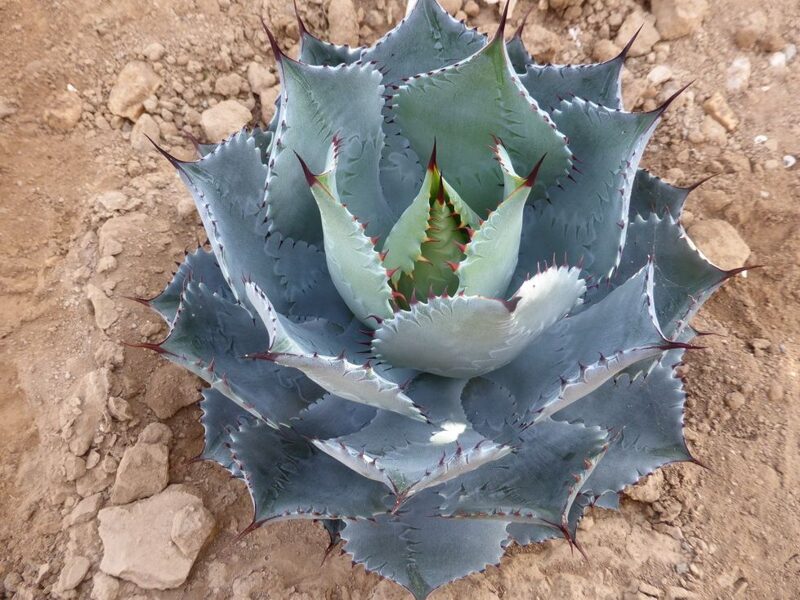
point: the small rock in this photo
(137, 538)
(104, 587)
(12, 581)
(775, 393)
(145, 127)
(75, 569)
(64, 112)
(760, 346)
(659, 74)
(85, 510)
(135, 83)
(342, 22)
(649, 590)
(7, 107)
(451, 6)
(720, 242)
(113, 201)
(119, 408)
(541, 42)
(154, 52)
(713, 132)
(94, 481)
(155, 433)
(109, 355)
(472, 9)
(105, 312)
(169, 389)
(647, 37)
(717, 108)
(229, 85)
(777, 61)
(260, 77)
(604, 50)
(735, 400)
(738, 74)
(143, 471)
(751, 28)
(225, 118)
(74, 467)
(677, 18)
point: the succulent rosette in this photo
(442, 305)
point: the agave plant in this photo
(443, 306)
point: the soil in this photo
(727, 530)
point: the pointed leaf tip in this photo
(276, 49)
(624, 53)
(311, 179)
(665, 105)
(521, 28)
(178, 164)
(530, 180)
(432, 160)
(501, 28)
(300, 25)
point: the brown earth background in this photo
(90, 214)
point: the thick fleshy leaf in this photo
(221, 417)
(466, 336)
(198, 266)
(353, 262)
(598, 83)
(586, 218)
(493, 102)
(518, 55)
(579, 353)
(211, 336)
(492, 253)
(646, 418)
(535, 484)
(427, 39)
(422, 551)
(288, 478)
(316, 104)
(321, 351)
(408, 456)
(684, 278)
(332, 416)
(650, 195)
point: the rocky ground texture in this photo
(99, 496)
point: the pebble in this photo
(112, 201)
(64, 112)
(649, 590)
(260, 77)
(104, 587)
(677, 18)
(7, 107)
(541, 42)
(143, 471)
(789, 161)
(105, 312)
(472, 9)
(84, 511)
(659, 74)
(718, 109)
(135, 83)
(342, 22)
(735, 400)
(145, 127)
(75, 569)
(229, 85)
(138, 542)
(267, 98)
(713, 132)
(738, 74)
(155, 433)
(169, 389)
(451, 6)
(720, 242)
(119, 408)
(647, 37)
(227, 117)
(604, 50)
(154, 52)
(647, 490)
(753, 26)
(678, 593)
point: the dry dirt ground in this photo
(729, 530)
